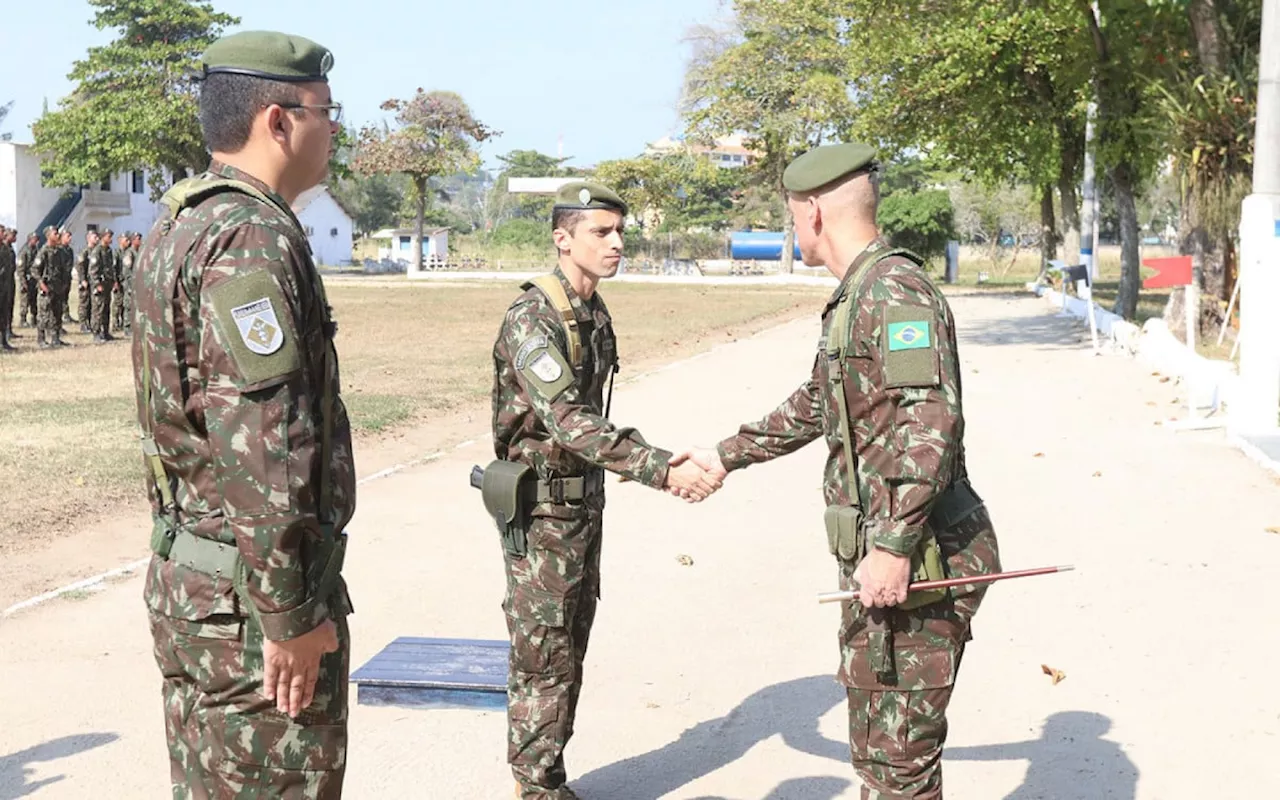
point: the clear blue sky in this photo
(605, 75)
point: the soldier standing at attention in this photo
(247, 440)
(117, 290)
(47, 269)
(88, 263)
(554, 355)
(26, 283)
(66, 263)
(102, 277)
(8, 287)
(885, 397)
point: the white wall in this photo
(23, 201)
(328, 228)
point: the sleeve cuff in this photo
(654, 472)
(900, 540)
(295, 622)
(731, 456)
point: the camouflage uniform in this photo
(901, 378)
(551, 417)
(242, 404)
(86, 265)
(102, 278)
(8, 272)
(123, 256)
(66, 258)
(27, 291)
(47, 267)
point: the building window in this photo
(333, 232)
(106, 184)
(138, 182)
(404, 243)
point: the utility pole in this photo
(1089, 192)
(1257, 409)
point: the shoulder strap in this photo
(551, 287)
(190, 192)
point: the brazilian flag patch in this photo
(912, 335)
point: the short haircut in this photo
(230, 102)
(567, 218)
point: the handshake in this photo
(695, 474)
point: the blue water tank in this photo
(758, 245)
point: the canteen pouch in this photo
(844, 531)
(926, 565)
(506, 490)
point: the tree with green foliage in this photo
(779, 75)
(524, 164)
(5, 108)
(1207, 102)
(992, 90)
(436, 136)
(922, 221)
(135, 103)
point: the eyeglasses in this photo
(334, 110)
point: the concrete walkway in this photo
(714, 680)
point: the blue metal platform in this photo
(436, 673)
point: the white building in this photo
(397, 244)
(328, 226)
(123, 203)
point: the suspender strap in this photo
(550, 286)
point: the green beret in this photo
(269, 55)
(828, 163)
(586, 195)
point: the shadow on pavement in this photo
(825, 788)
(14, 770)
(1070, 761)
(791, 709)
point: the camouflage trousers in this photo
(898, 718)
(227, 741)
(117, 308)
(550, 606)
(7, 289)
(101, 312)
(27, 294)
(86, 304)
(48, 323)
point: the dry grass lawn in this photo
(409, 353)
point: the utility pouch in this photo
(506, 490)
(844, 531)
(926, 565)
(162, 536)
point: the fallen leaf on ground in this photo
(1056, 674)
(686, 560)
(1151, 402)
(1038, 455)
(1274, 529)
(1097, 474)
(1165, 379)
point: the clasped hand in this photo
(695, 474)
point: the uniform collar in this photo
(233, 173)
(876, 245)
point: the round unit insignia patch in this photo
(546, 368)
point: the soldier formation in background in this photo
(37, 281)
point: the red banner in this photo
(1173, 271)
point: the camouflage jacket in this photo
(238, 331)
(907, 425)
(547, 415)
(8, 264)
(26, 262)
(102, 266)
(124, 273)
(47, 266)
(66, 264)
